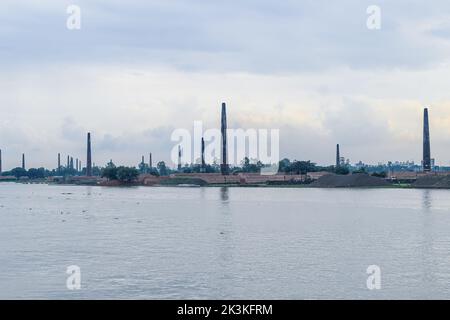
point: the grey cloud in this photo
(356, 124)
(71, 130)
(253, 36)
(143, 141)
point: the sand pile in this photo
(183, 181)
(432, 181)
(349, 181)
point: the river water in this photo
(223, 243)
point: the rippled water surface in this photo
(216, 243)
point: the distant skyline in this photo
(137, 70)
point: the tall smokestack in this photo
(179, 158)
(338, 157)
(150, 164)
(203, 155)
(59, 162)
(23, 161)
(426, 142)
(224, 165)
(89, 156)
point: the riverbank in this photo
(329, 180)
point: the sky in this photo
(138, 70)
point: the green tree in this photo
(127, 174)
(96, 171)
(143, 168)
(248, 166)
(162, 168)
(381, 174)
(284, 166)
(19, 172)
(342, 170)
(360, 170)
(303, 167)
(34, 173)
(110, 171)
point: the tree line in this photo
(128, 174)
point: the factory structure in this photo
(75, 167)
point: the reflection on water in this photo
(224, 200)
(217, 243)
(426, 199)
(224, 194)
(225, 250)
(428, 261)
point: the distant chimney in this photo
(89, 156)
(426, 142)
(179, 158)
(23, 161)
(338, 157)
(224, 168)
(203, 155)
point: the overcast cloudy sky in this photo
(137, 70)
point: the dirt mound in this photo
(349, 181)
(183, 181)
(432, 181)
